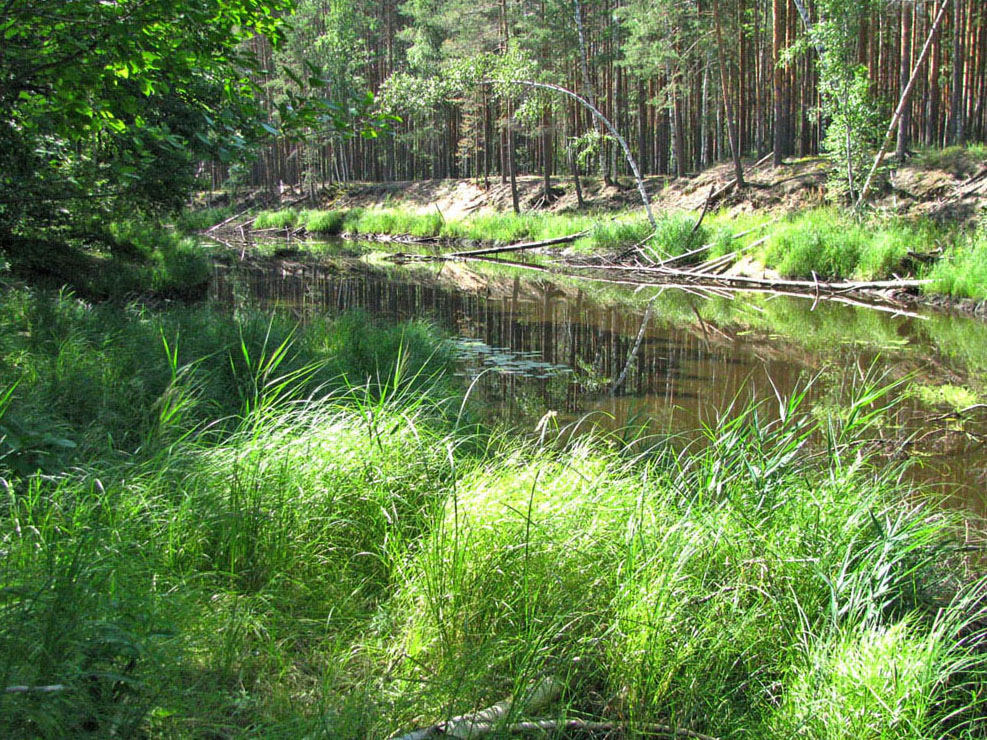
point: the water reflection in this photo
(535, 344)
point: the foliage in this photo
(856, 123)
(298, 569)
(829, 244)
(107, 106)
(955, 397)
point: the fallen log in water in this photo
(716, 285)
(814, 285)
(234, 217)
(476, 253)
(515, 247)
(249, 222)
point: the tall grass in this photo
(610, 233)
(825, 243)
(101, 376)
(278, 219)
(830, 244)
(192, 220)
(343, 558)
(962, 271)
(677, 234)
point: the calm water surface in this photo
(537, 343)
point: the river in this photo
(539, 349)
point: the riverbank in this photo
(922, 227)
(943, 186)
(242, 543)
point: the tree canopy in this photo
(797, 77)
(111, 104)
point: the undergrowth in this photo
(116, 260)
(832, 245)
(962, 270)
(285, 532)
(192, 220)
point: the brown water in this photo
(534, 344)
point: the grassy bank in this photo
(115, 260)
(604, 233)
(254, 530)
(823, 241)
(826, 243)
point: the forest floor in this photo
(949, 186)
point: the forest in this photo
(518, 368)
(679, 78)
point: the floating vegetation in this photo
(478, 356)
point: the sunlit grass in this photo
(608, 232)
(277, 219)
(962, 271)
(833, 245)
(345, 556)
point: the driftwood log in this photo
(543, 694)
(516, 247)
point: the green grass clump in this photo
(215, 576)
(494, 227)
(820, 242)
(299, 538)
(500, 228)
(190, 221)
(831, 245)
(393, 221)
(962, 271)
(285, 219)
(620, 234)
(329, 223)
(698, 590)
(677, 234)
(497, 228)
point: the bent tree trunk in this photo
(588, 84)
(605, 122)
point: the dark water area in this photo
(544, 351)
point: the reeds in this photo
(311, 544)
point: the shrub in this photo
(324, 222)
(285, 219)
